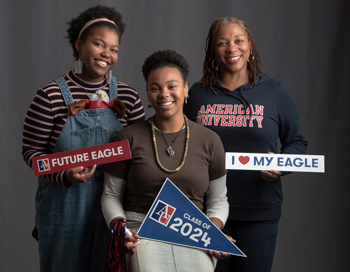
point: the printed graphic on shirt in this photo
(228, 115)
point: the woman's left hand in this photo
(270, 175)
(221, 255)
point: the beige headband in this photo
(94, 21)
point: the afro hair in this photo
(165, 58)
(75, 25)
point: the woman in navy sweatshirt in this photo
(250, 111)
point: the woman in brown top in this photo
(166, 145)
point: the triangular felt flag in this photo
(174, 219)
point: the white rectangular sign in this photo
(279, 162)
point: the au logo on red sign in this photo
(162, 213)
(43, 165)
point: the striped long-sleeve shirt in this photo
(47, 115)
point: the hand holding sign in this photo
(221, 255)
(79, 174)
(270, 175)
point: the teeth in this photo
(103, 63)
(235, 58)
(166, 103)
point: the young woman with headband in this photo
(70, 228)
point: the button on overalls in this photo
(72, 233)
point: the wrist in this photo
(111, 225)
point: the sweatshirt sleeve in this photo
(217, 159)
(191, 107)
(290, 132)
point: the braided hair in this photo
(209, 72)
(75, 25)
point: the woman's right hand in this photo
(131, 242)
(79, 174)
(221, 255)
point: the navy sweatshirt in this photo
(250, 120)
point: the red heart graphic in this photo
(244, 160)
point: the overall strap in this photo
(62, 84)
(113, 89)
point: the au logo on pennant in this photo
(174, 219)
(162, 213)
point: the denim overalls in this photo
(72, 233)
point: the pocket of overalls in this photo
(42, 192)
(91, 136)
(108, 135)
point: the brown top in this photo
(205, 161)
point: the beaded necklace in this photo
(156, 150)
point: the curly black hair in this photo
(75, 25)
(165, 58)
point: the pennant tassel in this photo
(116, 260)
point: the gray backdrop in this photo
(303, 43)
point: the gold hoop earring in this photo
(252, 59)
(215, 64)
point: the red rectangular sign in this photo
(98, 154)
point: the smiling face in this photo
(166, 91)
(232, 49)
(98, 53)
